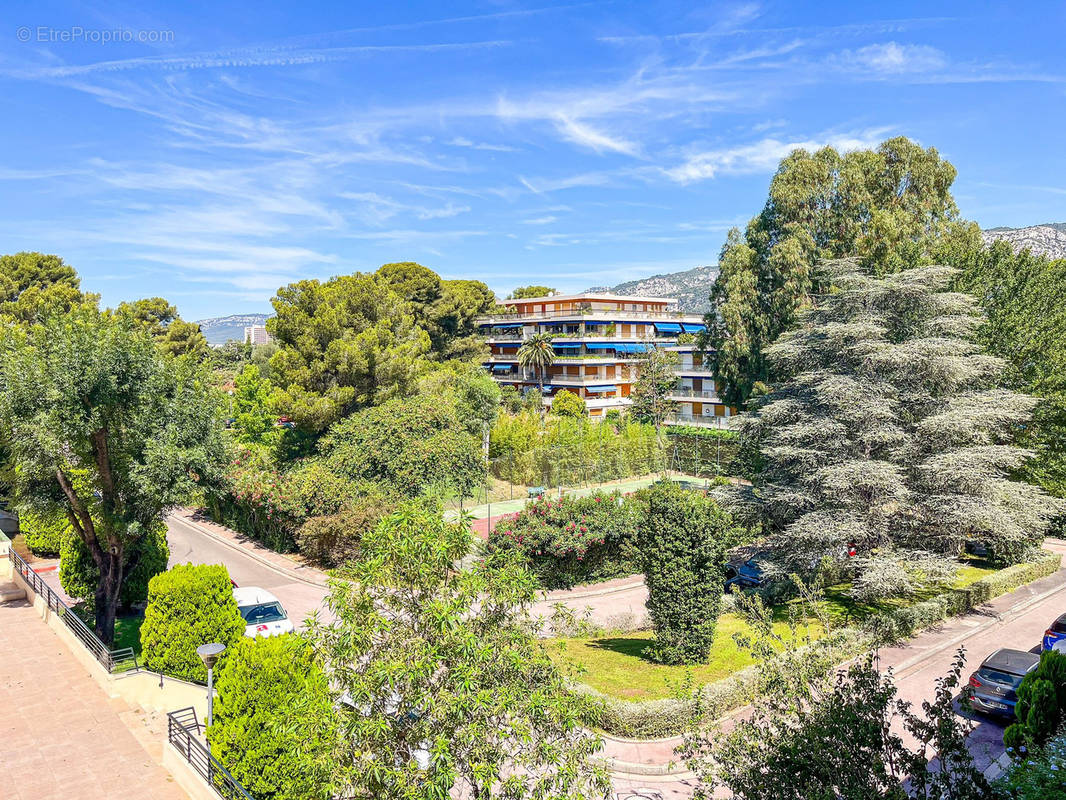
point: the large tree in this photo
(657, 380)
(445, 688)
(107, 431)
(537, 353)
(34, 285)
(889, 429)
(891, 207)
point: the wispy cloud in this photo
(763, 155)
(895, 58)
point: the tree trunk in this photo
(107, 596)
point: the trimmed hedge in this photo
(188, 605)
(656, 719)
(43, 533)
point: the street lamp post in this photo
(209, 654)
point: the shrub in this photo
(261, 685)
(42, 532)
(567, 404)
(1041, 702)
(1040, 776)
(333, 539)
(188, 606)
(145, 558)
(682, 541)
(571, 540)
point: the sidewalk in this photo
(64, 739)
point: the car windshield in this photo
(996, 676)
(262, 612)
(1058, 626)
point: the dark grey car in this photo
(995, 683)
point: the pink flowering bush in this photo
(571, 540)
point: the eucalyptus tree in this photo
(891, 207)
(107, 431)
(890, 430)
(537, 353)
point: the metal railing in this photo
(620, 313)
(183, 732)
(707, 421)
(120, 660)
(697, 394)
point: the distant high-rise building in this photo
(257, 334)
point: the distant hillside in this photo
(692, 288)
(219, 330)
(1048, 239)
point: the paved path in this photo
(63, 738)
(300, 589)
(1016, 620)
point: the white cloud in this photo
(584, 134)
(764, 155)
(895, 58)
(540, 220)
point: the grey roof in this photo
(1016, 662)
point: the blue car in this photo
(1055, 633)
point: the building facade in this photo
(599, 340)
(256, 334)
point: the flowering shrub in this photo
(571, 540)
(270, 506)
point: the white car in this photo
(263, 613)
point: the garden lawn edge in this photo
(662, 718)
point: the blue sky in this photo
(244, 145)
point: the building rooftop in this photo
(618, 298)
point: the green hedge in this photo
(43, 533)
(188, 606)
(656, 719)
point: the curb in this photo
(283, 571)
(1007, 614)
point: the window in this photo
(262, 612)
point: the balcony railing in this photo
(698, 421)
(665, 316)
(696, 394)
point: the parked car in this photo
(263, 613)
(995, 683)
(745, 575)
(1056, 632)
(9, 521)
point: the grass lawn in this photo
(128, 633)
(615, 665)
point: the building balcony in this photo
(710, 396)
(694, 372)
(578, 315)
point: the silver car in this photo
(995, 683)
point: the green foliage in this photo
(567, 404)
(262, 685)
(1039, 776)
(890, 207)
(651, 393)
(1024, 299)
(523, 292)
(888, 430)
(510, 399)
(358, 340)
(1041, 706)
(160, 320)
(188, 605)
(537, 353)
(409, 444)
(814, 735)
(34, 286)
(87, 394)
(252, 407)
(43, 532)
(568, 451)
(432, 660)
(472, 394)
(145, 558)
(331, 540)
(682, 540)
(571, 540)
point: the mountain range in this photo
(219, 330)
(693, 287)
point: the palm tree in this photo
(537, 353)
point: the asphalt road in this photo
(190, 546)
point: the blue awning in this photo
(693, 327)
(503, 325)
(636, 348)
(566, 346)
(599, 389)
(501, 367)
(668, 327)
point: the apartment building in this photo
(257, 334)
(599, 339)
